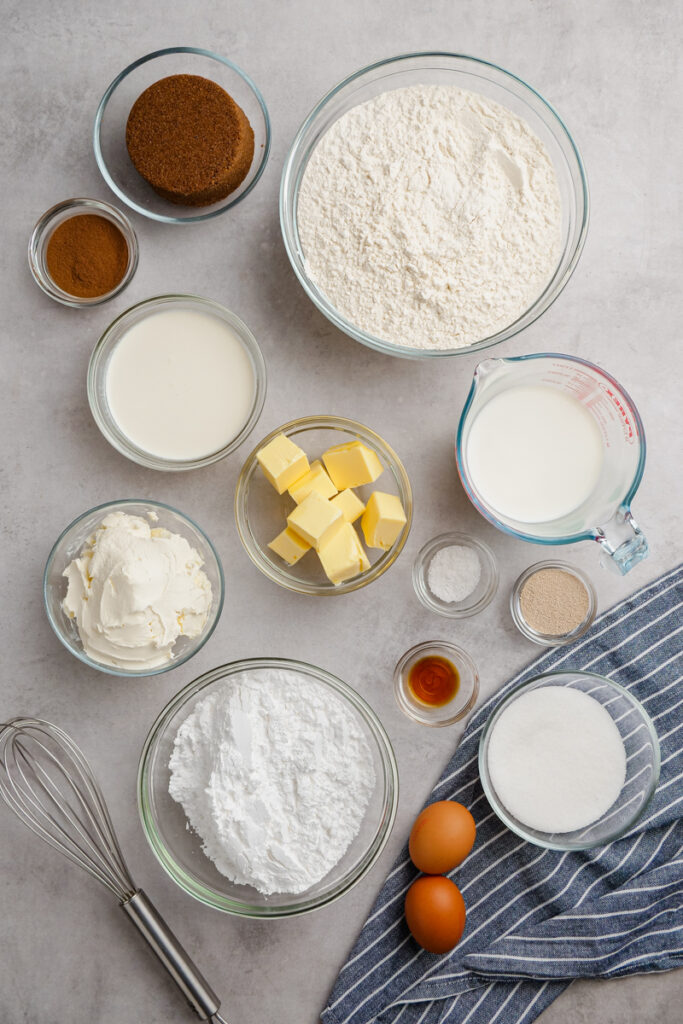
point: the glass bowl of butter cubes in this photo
(323, 505)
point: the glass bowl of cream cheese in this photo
(433, 204)
(133, 588)
(267, 788)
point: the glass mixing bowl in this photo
(109, 135)
(642, 762)
(179, 849)
(475, 76)
(69, 545)
(260, 513)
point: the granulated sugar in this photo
(556, 759)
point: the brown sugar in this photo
(87, 256)
(189, 139)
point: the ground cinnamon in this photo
(87, 256)
(189, 139)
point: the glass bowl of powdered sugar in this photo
(433, 204)
(267, 788)
(455, 575)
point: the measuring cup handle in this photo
(623, 542)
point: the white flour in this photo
(275, 775)
(430, 216)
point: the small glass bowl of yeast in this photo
(582, 589)
(176, 382)
(261, 514)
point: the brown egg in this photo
(435, 913)
(441, 838)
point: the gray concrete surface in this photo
(67, 954)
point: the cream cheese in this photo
(133, 590)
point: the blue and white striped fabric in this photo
(538, 918)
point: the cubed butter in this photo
(282, 462)
(315, 519)
(352, 465)
(383, 520)
(289, 546)
(349, 504)
(342, 556)
(315, 480)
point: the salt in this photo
(454, 573)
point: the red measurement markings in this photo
(624, 414)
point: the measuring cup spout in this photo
(486, 368)
(623, 542)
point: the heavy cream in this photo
(180, 384)
(133, 591)
(534, 454)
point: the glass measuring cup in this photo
(605, 515)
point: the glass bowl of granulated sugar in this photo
(267, 788)
(569, 760)
(433, 204)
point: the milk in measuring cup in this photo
(534, 453)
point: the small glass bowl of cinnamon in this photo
(553, 603)
(436, 683)
(83, 252)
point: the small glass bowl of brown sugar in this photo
(83, 252)
(553, 603)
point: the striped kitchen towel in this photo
(538, 918)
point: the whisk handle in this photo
(187, 977)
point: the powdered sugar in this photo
(275, 775)
(430, 216)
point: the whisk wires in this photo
(47, 782)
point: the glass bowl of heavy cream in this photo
(133, 588)
(433, 204)
(569, 760)
(176, 382)
(267, 788)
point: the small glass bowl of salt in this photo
(455, 575)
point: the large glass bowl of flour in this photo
(178, 846)
(408, 281)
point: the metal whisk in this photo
(47, 782)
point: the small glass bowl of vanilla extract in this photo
(436, 683)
